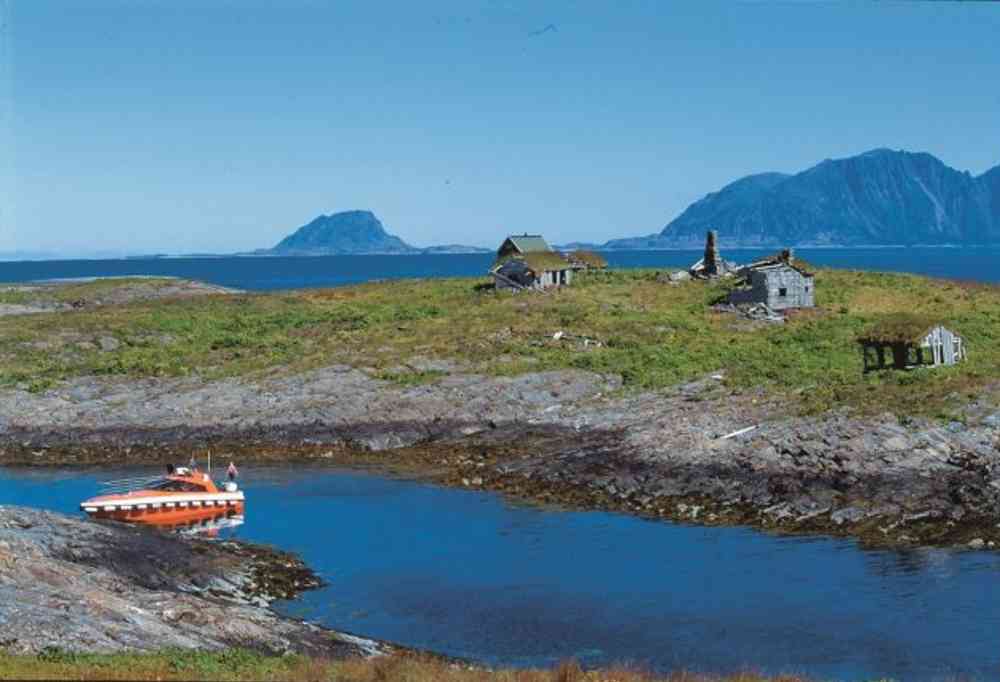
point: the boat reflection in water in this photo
(207, 528)
(185, 498)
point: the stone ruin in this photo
(712, 265)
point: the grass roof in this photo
(589, 258)
(899, 328)
(529, 243)
(538, 261)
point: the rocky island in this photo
(626, 391)
(353, 233)
(629, 391)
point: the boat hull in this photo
(166, 510)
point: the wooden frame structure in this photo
(906, 341)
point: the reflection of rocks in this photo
(566, 436)
(80, 585)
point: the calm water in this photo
(471, 575)
(981, 263)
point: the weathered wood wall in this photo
(767, 285)
(946, 346)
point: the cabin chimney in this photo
(712, 259)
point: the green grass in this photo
(653, 334)
(238, 664)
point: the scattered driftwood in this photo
(738, 432)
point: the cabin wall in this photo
(755, 293)
(787, 288)
(505, 279)
(945, 346)
(503, 283)
(778, 288)
(554, 278)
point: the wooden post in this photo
(899, 351)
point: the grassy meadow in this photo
(238, 665)
(653, 334)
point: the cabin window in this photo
(782, 292)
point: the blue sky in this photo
(218, 125)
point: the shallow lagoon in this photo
(470, 574)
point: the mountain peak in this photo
(879, 197)
(347, 232)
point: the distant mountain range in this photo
(881, 197)
(353, 233)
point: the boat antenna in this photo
(210, 461)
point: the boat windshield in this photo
(179, 487)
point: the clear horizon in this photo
(182, 127)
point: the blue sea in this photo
(472, 574)
(979, 264)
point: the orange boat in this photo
(183, 496)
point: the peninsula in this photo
(626, 391)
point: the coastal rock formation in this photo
(47, 297)
(79, 585)
(697, 452)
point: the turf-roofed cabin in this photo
(528, 262)
(905, 340)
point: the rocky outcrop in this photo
(696, 452)
(738, 459)
(80, 585)
(339, 404)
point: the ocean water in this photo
(980, 264)
(473, 575)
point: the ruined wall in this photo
(779, 288)
(788, 288)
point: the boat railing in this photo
(124, 485)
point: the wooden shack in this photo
(528, 262)
(906, 341)
(777, 282)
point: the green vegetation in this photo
(903, 327)
(653, 334)
(238, 664)
(589, 258)
(81, 292)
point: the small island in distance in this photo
(879, 198)
(353, 233)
